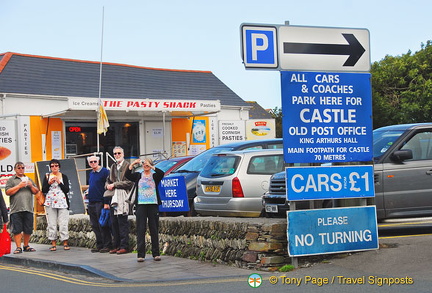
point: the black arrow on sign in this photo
(354, 49)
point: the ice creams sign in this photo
(199, 131)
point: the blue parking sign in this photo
(259, 46)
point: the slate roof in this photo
(258, 112)
(42, 75)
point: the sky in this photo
(200, 35)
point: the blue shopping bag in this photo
(104, 219)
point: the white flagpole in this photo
(100, 76)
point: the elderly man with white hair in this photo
(95, 196)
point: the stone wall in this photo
(243, 242)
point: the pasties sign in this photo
(7, 149)
(144, 104)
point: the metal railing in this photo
(107, 160)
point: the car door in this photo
(407, 186)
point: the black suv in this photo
(191, 169)
(402, 159)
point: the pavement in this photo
(398, 257)
(122, 267)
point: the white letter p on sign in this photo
(256, 47)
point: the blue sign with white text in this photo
(336, 230)
(173, 194)
(310, 183)
(327, 117)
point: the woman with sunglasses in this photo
(56, 188)
(147, 201)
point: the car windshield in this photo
(198, 163)
(165, 165)
(383, 140)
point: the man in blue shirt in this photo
(95, 197)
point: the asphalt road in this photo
(400, 265)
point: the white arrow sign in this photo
(323, 49)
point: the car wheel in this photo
(192, 212)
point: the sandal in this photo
(53, 248)
(157, 258)
(29, 249)
(66, 247)
(18, 250)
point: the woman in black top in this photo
(147, 202)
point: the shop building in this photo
(48, 109)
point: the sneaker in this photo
(93, 250)
(104, 250)
(140, 259)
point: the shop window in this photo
(81, 138)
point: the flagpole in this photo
(100, 76)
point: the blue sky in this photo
(200, 35)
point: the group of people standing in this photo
(20, 190)
(108, 190)
(111, 190)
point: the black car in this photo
(191, 169)
(402, 159)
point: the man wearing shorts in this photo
(20, 189)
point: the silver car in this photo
(232, 183)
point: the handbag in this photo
(40, 198)
(104, 219)
(5, 241)
(131, 200)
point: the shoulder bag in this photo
(40, 198)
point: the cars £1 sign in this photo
(329, 118)
(310, 183)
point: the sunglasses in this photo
(20, 168)
(117, 153)
(92, 162)
(56, 165)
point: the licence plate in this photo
(271, 208)
(212, 188)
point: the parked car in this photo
(402, 156)
(172, 164)
(232, 183)
(191, 169)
